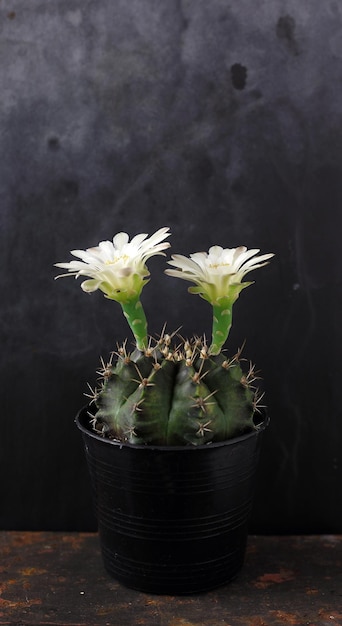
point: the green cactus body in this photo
(181, 396)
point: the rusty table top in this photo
(51, 579)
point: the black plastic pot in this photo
(172, 519)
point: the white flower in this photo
(117, 268)
(218, 273)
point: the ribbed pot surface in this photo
(172, 519)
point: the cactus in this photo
(169, 394)
(174, 395)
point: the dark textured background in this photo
(221, 120)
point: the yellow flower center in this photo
(123, 257)
(216, 265)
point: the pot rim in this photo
(121, 444)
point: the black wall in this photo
(222, 120)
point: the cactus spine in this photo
(180, 395)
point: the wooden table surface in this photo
(54, 579)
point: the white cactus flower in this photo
(218, 273)
(117, 268)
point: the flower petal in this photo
(120, 240)
(90, 285)
(105, 251)
(180, 274)
(138, 239)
